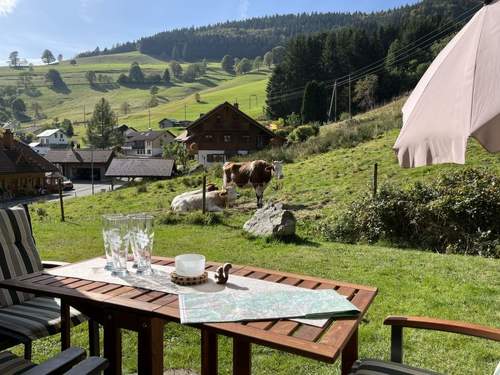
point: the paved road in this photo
(81, 189)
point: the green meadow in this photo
(175, 100)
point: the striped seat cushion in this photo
(36, 318)
(376, 367)
(18, 253)
(13, 365)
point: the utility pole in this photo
(350, 98)
(331, 101)
(185, 111)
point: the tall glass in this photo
(141, 229)
(119, 240)
(107, 228)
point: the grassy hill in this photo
(175, 100)
(410, 282)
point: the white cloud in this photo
(244, 5)
(7, 6)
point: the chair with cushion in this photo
(70, 362)
(25, 317)
(395, 366)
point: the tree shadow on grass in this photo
(206, 82)
(61, 88)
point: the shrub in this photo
(457, 213)
(41, 213)
(192, 182)
(141, 189)
(302, 133)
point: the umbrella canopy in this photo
(457, 98)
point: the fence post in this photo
(375, 179)
(204, 195)
(61, 201)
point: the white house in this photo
(148, 143)
(48, 140)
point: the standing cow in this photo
(256, 174)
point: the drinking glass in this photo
(118, 238)
(141, 227)
(107, 229)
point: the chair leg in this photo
(28, 349)
(94, 349)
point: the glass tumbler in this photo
(107, 229)
(142, 237)
(119, 240)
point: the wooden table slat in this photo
(290, 281)
(284, 327)
(307, 332)
(308, 284)
(257, 275)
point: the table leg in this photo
(65, 326)
(350, 353)
(150, 347)
(208, 352)
(112, 346)
(242, 357)
(94, 349)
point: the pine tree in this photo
(176, 69)
(314, 103)
(101, 133)
(227, 64)
(135, 73)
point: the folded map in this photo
(250, 306)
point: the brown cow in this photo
(256, 174)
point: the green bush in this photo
(457, 213)
(302, 133)
(141, 188)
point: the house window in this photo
(245, 139)
(227, 139)
(149, 151)
(209, 138)
(215, 158)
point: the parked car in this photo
(67, 184)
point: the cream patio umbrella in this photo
(457, 98)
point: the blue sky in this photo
(72, 26)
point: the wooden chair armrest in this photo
(91, 366)
(462, 328)
(53, 264)
(57, 365)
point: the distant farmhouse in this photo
(22, 170)
(224, 132)
(78, 164)
(48, 140)
(126, 131)
(148, 144)
(172, 123)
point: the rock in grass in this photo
(271, 221)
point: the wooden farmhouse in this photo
(224, 132)
(22, 171)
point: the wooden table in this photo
(119, 307)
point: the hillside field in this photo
(176, 100)
(410, 282)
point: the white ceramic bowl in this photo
(190, 265)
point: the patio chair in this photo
(70, 362)
(25, 317)
(395, 366)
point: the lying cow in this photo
(256, 174)
(216, 200)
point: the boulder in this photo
(271, 220)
